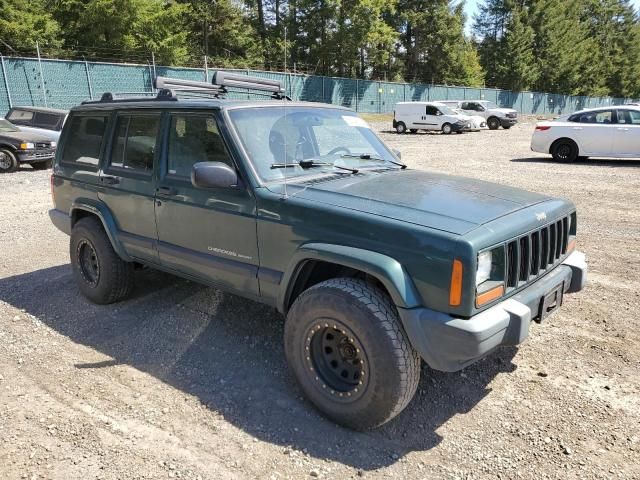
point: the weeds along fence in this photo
(65, 83)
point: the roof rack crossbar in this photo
(226, 79)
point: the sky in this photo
(471, 8)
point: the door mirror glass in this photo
(213, 175)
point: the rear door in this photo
(594, 132)
(207, 233)
(127, 181)
(627, 134)
(429, 119)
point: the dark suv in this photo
(302, 207)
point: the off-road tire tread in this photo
(120, 271)
(381, 308)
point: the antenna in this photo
(286, 195)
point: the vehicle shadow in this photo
(603, 162)
(227, 351)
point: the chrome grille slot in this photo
(530, 256)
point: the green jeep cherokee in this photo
(302, 207)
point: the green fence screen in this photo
(67, 83)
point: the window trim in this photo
(108, 168)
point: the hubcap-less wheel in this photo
(401, 127)
(336, 360)
(5, 161)
(88, 262)
(446, 129)
(493, 123)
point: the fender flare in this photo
(386, 269)
(101, 211)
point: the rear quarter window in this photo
(20, 117)
(83, 143)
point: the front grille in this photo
(43, 154)
(512, 115)
(533, 254)
(43, 145)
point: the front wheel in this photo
(506, 127)
(348, 351)
(401, 127)
(8, 161)
(446, 129)
(493, 123)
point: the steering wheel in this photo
(339, 149)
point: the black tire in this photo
(493, 123)
(8, 161)
(41, 165)
(401, 127)
(378, 368)
(507, 127)
(564, 150)
(413, 130)
(447, 129)
(102, 276)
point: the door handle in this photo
(166, 190)
(109, 180)
(622, 129)
(577, 128)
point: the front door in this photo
(627, 135)
(207, 233)
(595, 132)
(127, 183)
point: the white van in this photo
(414, 116)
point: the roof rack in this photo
(222, 82)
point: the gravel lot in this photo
(184, 381)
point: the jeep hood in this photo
(447, 203)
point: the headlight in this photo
(53, 144)
(485, 260)
(26, 146)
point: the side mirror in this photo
(397, 152)
(213, 175)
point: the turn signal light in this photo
(571, 246)
(455, 290)
(489, 295)
(542, 128)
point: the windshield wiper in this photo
(310, 164)
(366, 156)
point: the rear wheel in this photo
(349, 353)
(102, 276)
(41, 165)
(493, 123)
(8, 161)
(401, 127)
(447, 129)
(564, 151)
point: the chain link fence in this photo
(65, 83)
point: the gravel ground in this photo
(183, 381)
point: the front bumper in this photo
(508, 122)
(459, 127)
(449, 344)
(33, 156)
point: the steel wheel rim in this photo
(446, 129)
(336, 360)
(88, 262)
(5, 161)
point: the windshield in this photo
(280, 135)
(6, 126)
(446, 110)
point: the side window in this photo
(634, 116)
(83, 142)
(468, 106)
(134, 143)
(20, 117)
(193, 139)
(629, 117)
(431, 110)
(599, 117)
(46, 120)
(574, 118)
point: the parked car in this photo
(302, 207)
(17, 146)
(46, 121)
(495, 116)
(476, 122)
(597, 132)
(414, 116)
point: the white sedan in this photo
(476, 123)
(598, 132)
